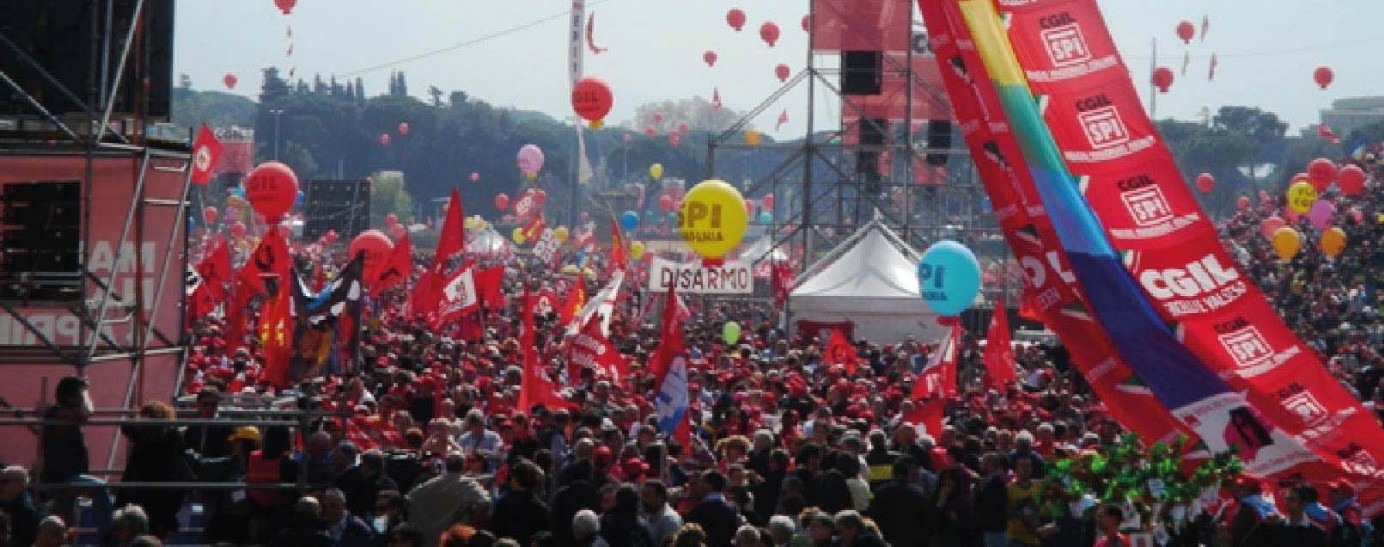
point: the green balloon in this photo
(731, 332)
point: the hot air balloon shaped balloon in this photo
(709, 57)
(285, 6)
(592, 99)
(782, 72)
(736, 19)
(1163, 78)
(1186, 31)
(530, 160)
(1323, 76)
(230, 80)
(769, 32)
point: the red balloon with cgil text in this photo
(271, 189)
(592, 99)
(376, 247)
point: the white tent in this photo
(764, 249)
(869, 280)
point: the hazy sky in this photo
(1267, 50)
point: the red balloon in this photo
(237, 229)
(749, 206)
(403, 128)
(1321, 173)
(1323, 76)
(649, 132)
(807, 23)
(674, 139)
(384, 139)
(391, 219)
(767, 201)
(736, 19)
(285, 6)
(271, 188)
(682, 127)
(501, 201)
(709, 57)
(1163, 78)
(475, 177)
(769, 32)
(665, 203)
(782, 72)
(1243, 202)
(1352, 180)
(658, 117)
(398, 231)
(592, 99)
(1205, 182)
(230, 80)
(209, 215)
(376, 247)
(1186, 30)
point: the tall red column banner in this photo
(1049, 286)
(1132, 183)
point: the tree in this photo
(388, 194)
(697, 112)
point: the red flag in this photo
(215, 270)
(535, 388)
(839, 351)
(1324, 131)
(270, 258)
(1205, 26)
(591, 349)
(458, 296)
(618, 260)
(452, 239)
(715, 98)
(938, 377)
(782, 119)
(423, 300)
(999, 354)
(205, 151)
(782, 282)
(396, 268)
(670, 342)
(1211, 73)
(534, 229)
(276, 337)
(591, 35)
(490, 286)
(576, 300)
(1027, 310)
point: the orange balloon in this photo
(1333, 242)
(1286, 243)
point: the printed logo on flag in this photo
(1358, 460)
(1246, 346)
(1147, 206)
(1103, 127)
(1306, 406)
(1065, 45)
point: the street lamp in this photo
(276, 112)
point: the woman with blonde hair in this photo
(690, 535)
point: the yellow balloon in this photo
(571, 269)
(656, 171)
(752, 137)
(637, 250)
(1333, 241)
(560, 234)
(713, 218)
(1301, 196)
(517, 235)
(1286, 243)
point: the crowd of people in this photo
(424, 444)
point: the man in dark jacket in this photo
(574, 493)
(992, 500)
(15, 502)
(519, 514)
(717, 517)
(899, 507)
(345, 529)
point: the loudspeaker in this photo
(862, 72)
(57, 35)
(939, 138)
(40, 239)
(872, 134)
(341, 205)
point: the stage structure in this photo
(94, 213)
(887, 154)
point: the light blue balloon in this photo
(629, 221)
(948, 277)
(299, 199)
(766, 217)
(238, 191)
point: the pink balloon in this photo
(1269, 226)
(475, 177)
(1320, 214)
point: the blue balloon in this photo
(629, 221)
(299, 199)
(238, 191)
(948, 277)
(766, 217)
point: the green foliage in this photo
(389, 194)
(1129, 471)
(214, 108)
(1236, 138)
